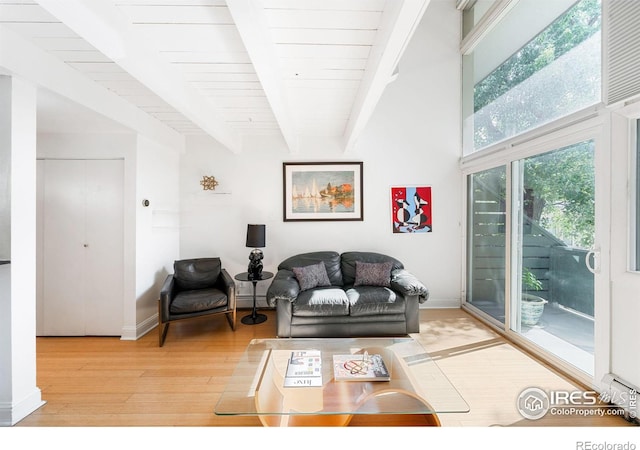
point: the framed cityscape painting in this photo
(322, 191)
(411, 209)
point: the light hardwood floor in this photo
(102, 381)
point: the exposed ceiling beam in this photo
(21, 57)
(251, 23)
(102, 25)
(399, 22)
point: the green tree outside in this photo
(559, 186)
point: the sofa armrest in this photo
(166, 295)
(405, 282)
(229, 287)
(283, 287)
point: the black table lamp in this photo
(255, 239)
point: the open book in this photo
(304, 369)
(360, 367)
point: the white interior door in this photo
(104, 251)
(82, 250)
(63, 239)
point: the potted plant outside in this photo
(532, 306)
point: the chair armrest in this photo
(283, 287)
(166, 295)
(229, 287)
(405, 282)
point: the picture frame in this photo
(322, 191)
(411, 209)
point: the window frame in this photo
(635, 198)
(562, 133)
(472, 40)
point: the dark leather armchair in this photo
(198, 287)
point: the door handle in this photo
(595, 256)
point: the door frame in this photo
(590, 124)
(625, 276)
(116, 324)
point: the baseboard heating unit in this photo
(622, 394)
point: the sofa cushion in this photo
(374, 300)
(198, 300)
(199, 273)
(330, 259)
(312, 276)
(349, 264)
(373, 274)
(321, 302)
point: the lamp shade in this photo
(256, 236)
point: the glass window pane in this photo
(553, 298)
(555, 72)
(487, 241)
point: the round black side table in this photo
(254, 318)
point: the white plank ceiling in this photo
(234, 68)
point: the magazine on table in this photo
(360, 367)
(304, 369)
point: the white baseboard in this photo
(12, 413)
(150, 323)
(436, 303)
(246, 301)
(142, 328)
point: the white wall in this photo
(19, 394)
(413, 138)
(157, 227)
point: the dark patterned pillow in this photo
(312, 276)
(373, 274)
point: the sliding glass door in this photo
(530, 264)
(552, 296)
(487, 244)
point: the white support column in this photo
(19, 395)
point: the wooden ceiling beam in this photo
(251, 23)
(399, 22)
(107, 29)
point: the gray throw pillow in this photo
(312, 276)
(373, 274)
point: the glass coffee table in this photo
(416, 384)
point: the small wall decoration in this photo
(322, 191)
(411, 209)
(209, 183)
